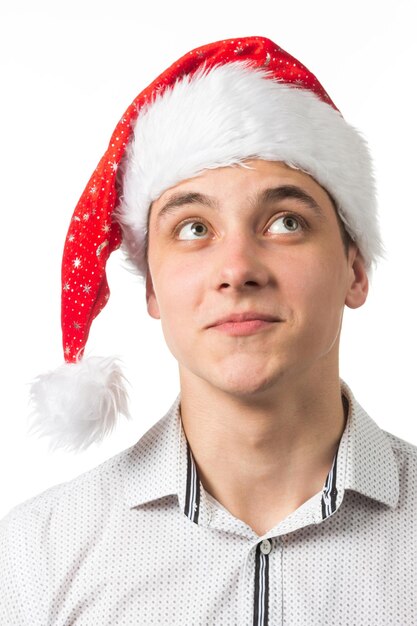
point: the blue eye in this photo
(192, 230)
(285, 224)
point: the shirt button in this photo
(266, 546)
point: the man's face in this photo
(239, 241)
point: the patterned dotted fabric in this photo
(137, 540)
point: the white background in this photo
(69, 70)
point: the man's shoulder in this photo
(97, 491)
(97, 488)
(404, 451)
(52, 530)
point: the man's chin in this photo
(246, 385)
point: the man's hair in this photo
(346, 238)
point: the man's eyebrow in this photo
(273, 194)
(180, 199)
(276, 194)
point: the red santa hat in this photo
(218, 105)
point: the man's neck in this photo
(262, 459)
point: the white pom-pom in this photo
(78, 403)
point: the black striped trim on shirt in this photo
(328, 498)
(260, 607)
(192, 493)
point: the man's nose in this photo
(240, 264)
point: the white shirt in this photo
(138, 541)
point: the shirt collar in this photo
(150, 467)
(156, 466)
(371, 466)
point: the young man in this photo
(266, 495)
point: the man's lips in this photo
(247, 316)
(244, 323)
(243, 328)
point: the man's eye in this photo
(192, 230)
(197, 230)
(285, 224)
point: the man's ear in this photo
(151, 301)
(358, 285)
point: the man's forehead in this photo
(269, 182)
(256, 166)
(256, 172)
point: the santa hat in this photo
(218, 105)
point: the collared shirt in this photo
(138, 541)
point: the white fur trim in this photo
(231, 113)
(78, 403)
